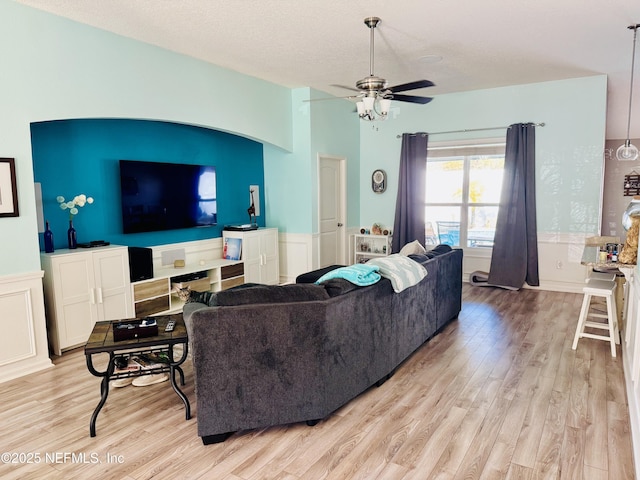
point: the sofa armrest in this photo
(256, 365)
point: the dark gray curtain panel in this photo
(409, 218)
(515, 250)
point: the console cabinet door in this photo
(270, 271)
(251, 257)
(73, 316)
(260, 255)
(112, 285)
(81, 288)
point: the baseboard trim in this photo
(24, 368)
(563, 287)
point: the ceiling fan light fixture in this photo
(372, 108)
(385, 105)
(374, 93)
(628, 152)
(368, 103)
(366, 108)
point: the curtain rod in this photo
(471, 130)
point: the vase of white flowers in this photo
(72, 206)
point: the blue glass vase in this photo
(48, 240)
(71, 236)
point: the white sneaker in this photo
(144, 380)
(121, 382)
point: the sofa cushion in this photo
(255, 293)
(303, 292)
(338, 286)
(402, 271)
(414, 247)
(211, 298)
(428, 254)
(420, 258)
(440, 249)
(311, 277)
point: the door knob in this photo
(340, 224)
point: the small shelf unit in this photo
(366, 247)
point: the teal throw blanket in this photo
(359, 274)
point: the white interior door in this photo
(332, 210)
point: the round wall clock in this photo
(379, 181)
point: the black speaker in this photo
(140, 263)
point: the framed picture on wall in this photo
(8, 189)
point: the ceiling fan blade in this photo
(344, 86)
(409, 98)
(348, 97)
(411, 86)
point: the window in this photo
(463, 194)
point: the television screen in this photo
(166, 196)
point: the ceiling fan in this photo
(373, 90)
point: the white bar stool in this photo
(605, 289)
(606, 276)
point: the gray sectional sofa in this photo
(271, 355)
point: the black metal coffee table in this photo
(101, 341)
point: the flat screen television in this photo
(166, 196)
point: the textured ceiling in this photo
(459, 45)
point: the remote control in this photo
(171, 324)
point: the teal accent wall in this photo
(569, 148)
(81, 156)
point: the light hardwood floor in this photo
(498, 394)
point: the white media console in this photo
(83, 286)
(158, 296)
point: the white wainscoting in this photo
(23, 343)
(298, 255)
(559, 266)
